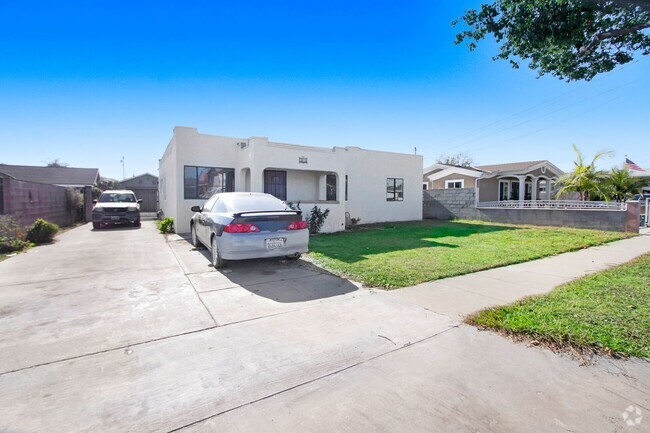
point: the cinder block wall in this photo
(28, 201)
(614, 220)
(446, 204)
(461, 203)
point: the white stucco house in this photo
(351, 182)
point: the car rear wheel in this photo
(217, 261)
(96, 226)
(295, 256)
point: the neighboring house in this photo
(145, 187)
(351, 182)
(518, 181)
(62, 176)
(497, 182)
(442, 176)
(519, 193)
(31, 192)
(644, 177)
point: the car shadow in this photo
(279, 279)
(116, 228)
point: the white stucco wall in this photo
(367, 172)
(302, 185)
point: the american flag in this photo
(632, 166)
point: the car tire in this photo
(217, 261)
(295, 256)
(195, 240)
(137, 223)
(96, 226)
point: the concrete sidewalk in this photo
(459, 296)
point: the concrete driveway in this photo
(126, 330)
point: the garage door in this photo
(149, 199)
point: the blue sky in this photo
(90, 82)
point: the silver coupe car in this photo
(248, 225)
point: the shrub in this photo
(42, 232)
(75, 201)
(166, 225)
(317, 219)
(11, 236)
(8, 245)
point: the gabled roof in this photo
(438, 171)
(140, 175)
(439, 167)
(521, 168)
(510, 166)
(65, 176)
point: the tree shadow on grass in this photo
(356, 245)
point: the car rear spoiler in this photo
(239, 214)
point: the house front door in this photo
(275, 183)
(514, 190)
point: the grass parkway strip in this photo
(607, 312)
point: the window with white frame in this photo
(455, 183)
(504, 190)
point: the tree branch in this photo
(613, 34)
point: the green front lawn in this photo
(608, 312)
(404, 254)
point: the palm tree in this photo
(620, 185)
(584, 178)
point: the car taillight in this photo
(241, 228)
(297, 225)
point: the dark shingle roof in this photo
(68, 176)
(511, 166)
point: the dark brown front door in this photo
(275, 183)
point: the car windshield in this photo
(244, 203)
(117, 197)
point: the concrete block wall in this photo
(461, 203)
(613, 220)
(28, 201)
(450, 203)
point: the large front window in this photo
(204, 182)
(394, 189)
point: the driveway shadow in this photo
(277, 279)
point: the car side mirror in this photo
(139, 200)
(196, 209)
(95, 201)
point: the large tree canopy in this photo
(571, 39)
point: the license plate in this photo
(274, 243)
(115, 218)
